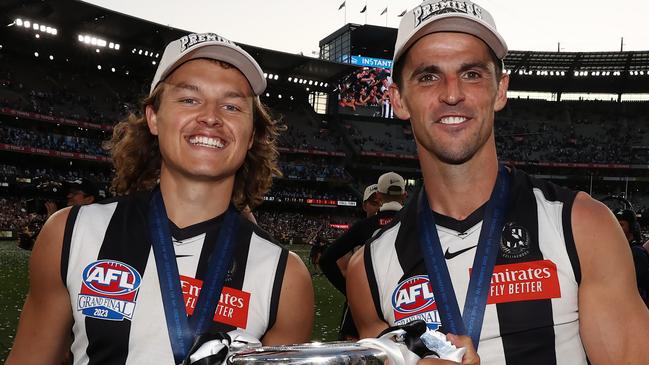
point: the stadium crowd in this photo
(68, 93)
(301, 228)
(313, 169)
(51, 141)
(293, 192)
(14, 216)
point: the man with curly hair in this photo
(139, 277)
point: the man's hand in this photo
(470, 357)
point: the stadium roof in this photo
(606, 72)
(609, 72)
(74, 17)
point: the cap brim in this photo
(226, 53)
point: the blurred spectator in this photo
(631, 228)
(301, 228)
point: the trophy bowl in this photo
(339, 353)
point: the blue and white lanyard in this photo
(182, 330)
(470, 321)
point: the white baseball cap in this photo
(369, 191)
(436, 16)
(212, 46)
(391, 183)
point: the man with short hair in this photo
(391, 189)
(137, 279)
(371, 204)
(82, 191)
(528, 270)
(79, 192)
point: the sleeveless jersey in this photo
(110, 271)
(532, 314)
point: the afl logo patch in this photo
(413, 299)
(514, 241)
(109, 290)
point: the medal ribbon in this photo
(470, 321)
(183, 330)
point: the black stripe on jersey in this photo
(65, 255)
(194, 230)
(109, 340)
(407, 241)
(460, 226)
(277, 288)
(209, 243)
(236, 274)
(371, 281)
(526, 327)
(571, 248)
(67, 241)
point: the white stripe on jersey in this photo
(566, 323)
(263, 256)
(90, 223)
(386, 262)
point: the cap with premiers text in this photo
(211, 46)
(448, 16)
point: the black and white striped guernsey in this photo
(110, 272)
(532, 311)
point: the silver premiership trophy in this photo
(339, 353)
(401, 345)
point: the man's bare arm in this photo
(614, 322)
(360, 299)
(45, 322)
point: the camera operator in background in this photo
(78, 192)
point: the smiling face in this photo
(450, 91)
(204, 122)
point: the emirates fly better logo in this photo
(534, 280)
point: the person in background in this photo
(79, 192)
(388, 194)
(631, 228)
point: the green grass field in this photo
(13, 288)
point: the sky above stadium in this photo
(298, 25)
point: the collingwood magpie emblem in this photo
(514, 241)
